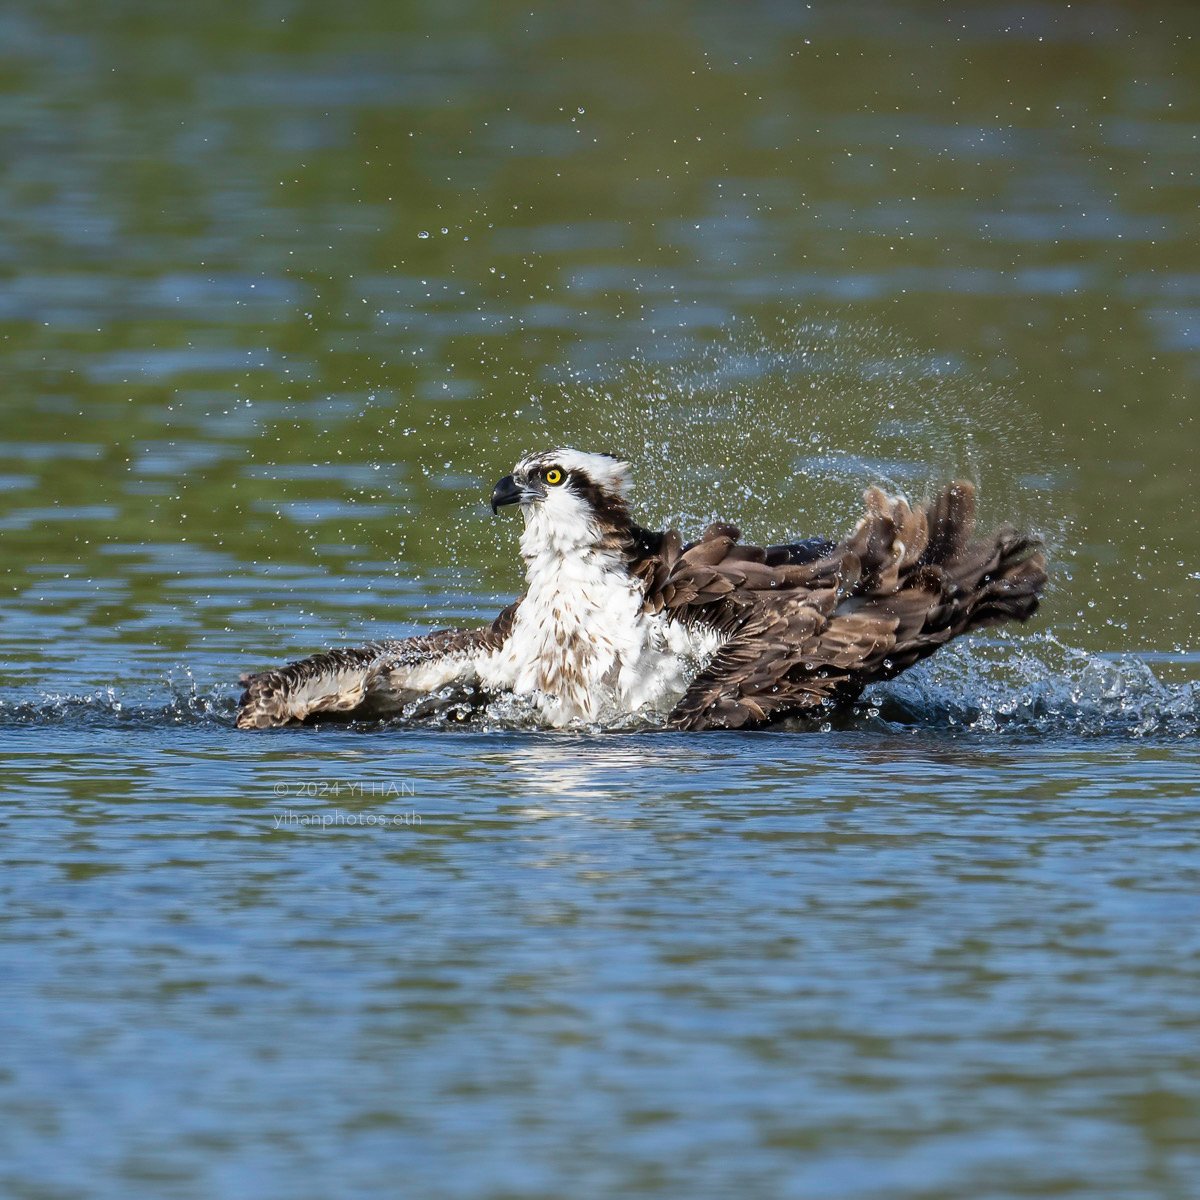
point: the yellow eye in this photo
(554, 476)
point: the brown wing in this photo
(365, 680)
(800, 635)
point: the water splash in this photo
(106, 708)
(781, 426)
(1039, 685)
(777, 426)
(1031, 686)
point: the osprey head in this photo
(568, 498)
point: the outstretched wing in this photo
(799, 634)
(370, 680)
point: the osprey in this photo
(711, 634)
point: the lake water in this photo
(285, 288)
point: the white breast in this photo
(583, 649)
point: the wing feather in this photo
(367, 680)
(801, 632)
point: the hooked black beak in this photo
(507, 491)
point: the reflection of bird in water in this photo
(715, 634)
(556, 771)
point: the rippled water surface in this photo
(284, 289)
